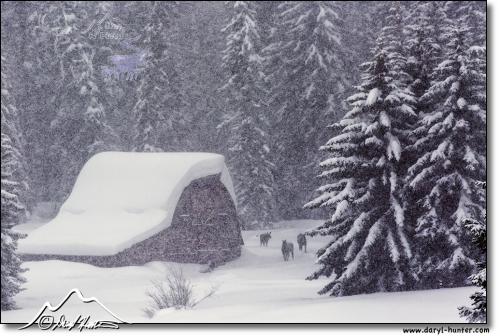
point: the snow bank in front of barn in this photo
(120, 199)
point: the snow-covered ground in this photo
(258, 287)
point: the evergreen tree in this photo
(79, 128)
(158, 110)
(12, 212)
(424, 47)
(14, 84)
(305, 70)
(363, 28)
(477, 313)
(370, 249)
(424, 29)
(450, 146)
(199, 58)
(13, 189)
(471, 14)
(248, 146)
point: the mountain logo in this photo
(76, 316)
(107, 28)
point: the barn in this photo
(131, 208)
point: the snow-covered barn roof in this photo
(120, 199)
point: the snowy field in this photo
(258, 287)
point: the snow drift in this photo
(120, 199)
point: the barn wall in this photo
(205, 228)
